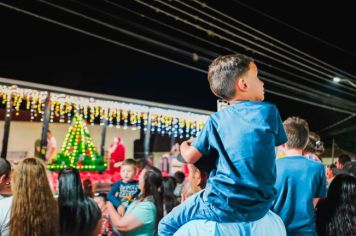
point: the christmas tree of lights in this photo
(78, 150)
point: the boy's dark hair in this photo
(130, 162)
(344, 158)
(5, 167)
(179, 176)
(297, 131)
(223, 73)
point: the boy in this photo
(124, 190)
(299, 181)
(243, 136)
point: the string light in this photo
(120, 114)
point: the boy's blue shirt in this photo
(243, 136)
(299, 181)
(122, 193)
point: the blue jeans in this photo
(194, 208)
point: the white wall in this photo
(23, 135)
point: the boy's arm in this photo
(111, 195)
(189, 153)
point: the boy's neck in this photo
(127, 181)
(293, 152)
(240, 98)
(236, 101)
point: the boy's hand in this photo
(189, 153)
(121, 210)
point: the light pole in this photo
(339, 80)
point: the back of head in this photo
(169, 183)
(342, 189)
(223, 73)
(315, 145)
(5, 167)
(337, 216)
(78, 214)
(179, 176)
(70, 186)
(170, 200)
(34, 210)
(344, 158)
(297, 131)
(5, 171)
(153, 187)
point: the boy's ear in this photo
(241, 84)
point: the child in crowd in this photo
(123, 191)
(243, 137)
(300, 181)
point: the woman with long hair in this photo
(142, 216)
(78, 214)
(336, 215)
(34, 210)
(169, 199)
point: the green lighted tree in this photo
(78, 150)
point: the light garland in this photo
(120, 114)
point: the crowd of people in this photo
(238, 185)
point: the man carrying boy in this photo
(299, 181)
(243, 136)
(124, 190)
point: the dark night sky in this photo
(38, 51)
